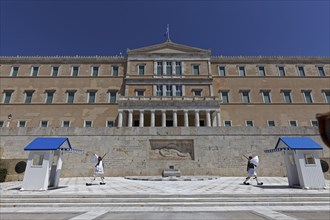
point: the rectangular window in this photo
(2, 124)
(159, 91)
(35, 70)
(49, 97)
(271, 123)
(266, 96)
(66, 124)
(168, 90)
(75, 71)
(196, 70)
(309, 159)
(178, 70)
(287, 96)
(139, 92)
(91, 96)
(95, 71)
(262, 71)
(14, 71)
(178, 90)
(21, 124)
(28, 97)
(7, 97)
(245, 96)
(37, 159)
(327, 96)
(110, 124)
(224, 96)
(249, 123)
(321, 71)
(293, 123)
(222, 71)
(112, 97)
(227, 123)
(281, 71)
(308, 96)
(88, 124)
(241, 71)
(141, 70)
(314, 123)
(43, 124)
(197, 92)
(70, 98)
(115, 70)
(159, 68)
(54, 71)
(168, 68)
(301, 71)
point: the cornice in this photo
(270, 59)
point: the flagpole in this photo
(168, 32)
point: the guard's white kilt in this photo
(99, 168)
(252, 172)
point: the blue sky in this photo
(100, 27)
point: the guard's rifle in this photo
(245, 156)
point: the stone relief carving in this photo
(171, 150)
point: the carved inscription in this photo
(171, 149)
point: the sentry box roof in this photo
(47, 143)
(295, 143)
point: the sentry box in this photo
(44, 164)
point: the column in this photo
(130, 118)
(164, 68)
(164, 90)
(141, 124)
(208, 118)
(173, 90)
(214, 121)
(173, 68)
(175, 119)
(155, 67)
(163, 118)
(152, 118)
(186, 119)
(120, 118)
(196, 118)
(218, 118)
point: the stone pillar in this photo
(130, 118)
(163, 118)
(175, 119)
(164, 68)
(186, 119)
(208, 118)
(218, 118)
(152, 118)
(214, 119)
(173, 90)
(173, 68)
(164, 90)
(141, 121)
(196, 118)
(155, 67)
(120, 118)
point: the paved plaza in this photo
(172, 198)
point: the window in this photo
(293, 123)
(88, 124)
(309, 159)
(262, 71)
(287, 96)
(227, 123)
(70, 98)
(241, 70)
(266, 96)
(110, 124)
(249, 123)
(66, 124)
(95, 71)
(224, 96)
(37, 159)
(271, 123)
(245, 96)
(308, 96)
(301, 71)
(35, 70)
(281, 71)
(159, 68)
(178, 90)
(197, 92)
(112, 96)
(178, 69)
(196, 70)
(43, 124)
(321, 71)
(7, 96)
(115, 70)
(21, 124)
(54, 72)
(14, 71)
(168, 68)
(168, 90)
(28, 97)
(49, 96)
(75, 71)
(222, 71)
(327, 96)
(91, 96)
(141, 70)
(139, 92)
(159, 90)
(1, 124)
(314, 123)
